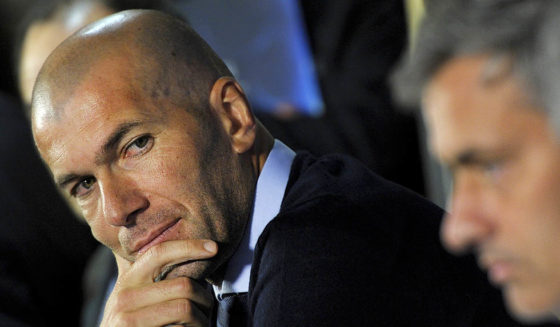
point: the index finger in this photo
(167, 254)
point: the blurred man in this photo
(145, 128)
(48, 23)
(45, 33)
(488, 76)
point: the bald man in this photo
(145, 128)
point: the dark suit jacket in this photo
(351, 249)
(43, 247)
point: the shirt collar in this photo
(269, 193)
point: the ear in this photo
(230, 103)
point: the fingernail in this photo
(210, 246)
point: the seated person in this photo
(487, 74)
(146, 129)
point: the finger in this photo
(175, 289)
(175, 312)
(151, 263)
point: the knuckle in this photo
(183, 307)
(185, 285)
(188, 246)
(154, 252)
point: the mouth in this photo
(156, 236)
(500, 271)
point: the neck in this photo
(257, 155)
(262, 147)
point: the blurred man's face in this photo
(42, 37)
(505, 161)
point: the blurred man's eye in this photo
(493, 171)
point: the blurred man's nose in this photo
(121, 201)
(467, 224)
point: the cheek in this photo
(171, 173)
(105, 234)
(538, 191)
(542, 215)
(171, 161)
(533, 213)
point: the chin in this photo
(528, 307)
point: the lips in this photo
(500, 270)
(156, 236)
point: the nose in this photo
(467, 224)
(121, 200)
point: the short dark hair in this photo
(526, 31)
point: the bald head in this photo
(158, 54)
(139, 126)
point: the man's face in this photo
(505, 162)
(143, 170)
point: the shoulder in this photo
(335, 205)
(339, 225)
(350, 246)
(342, 176)
(336, 190)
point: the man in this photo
(144, 126)
(487, 73)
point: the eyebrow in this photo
(112, 141)
(65, 179)
(471, 157)
(467, 157)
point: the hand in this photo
(137, 301)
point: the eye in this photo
(493, 171)
(83, 187)
(139, 146)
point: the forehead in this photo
(105, 98)
(464, 109)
